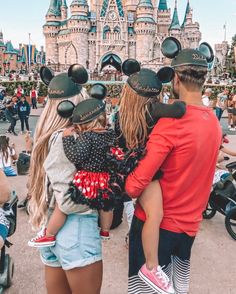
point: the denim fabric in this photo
(78, 243)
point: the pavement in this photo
(213, 269)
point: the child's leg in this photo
(106, 218)
(56, 221)
(151, 202)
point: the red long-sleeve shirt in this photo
(186, 151)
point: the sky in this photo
(19, 18)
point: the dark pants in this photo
(219, 112)
(174, 256)
(34, 103)
(24, 122)
(12, 121)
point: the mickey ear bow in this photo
(130, 66)
(207, 51)
(98, 91)
(78, 74)
(166, 74)
(46, 75)
(65, 109)
(171, 47)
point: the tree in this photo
(231, 59)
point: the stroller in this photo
(223, 200)
(6, 262)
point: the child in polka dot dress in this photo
(87, 145)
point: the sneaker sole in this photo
(46, 244)
(151, 284)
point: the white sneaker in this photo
(232, 129)
(229, 127)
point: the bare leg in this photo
(106, 218)
(56, 281)
(151, 201)
(56, 221)
(86, 280)
(230, 119)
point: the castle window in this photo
(106, 32)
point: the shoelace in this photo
(163, 277)
(39, 235)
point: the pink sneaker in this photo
(41, 240)
(156, 279)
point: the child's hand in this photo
(69, 132)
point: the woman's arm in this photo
(5, 190)
(228, 151)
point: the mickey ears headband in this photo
(76, 72)
(132, 66)
(171, 47)
(65, 108)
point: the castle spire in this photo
(145, 3)
(175, 25)
(162, 5)
(54, 8)
(187, 11)
(106, 4)
(64, 4)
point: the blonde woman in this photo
(139, 111)
(74, 264)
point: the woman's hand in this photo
(69, 132)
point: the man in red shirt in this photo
(185, 150)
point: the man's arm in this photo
(161, 142)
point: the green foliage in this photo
(114, 89)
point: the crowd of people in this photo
(84, 165)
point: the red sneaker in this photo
(105, 236)
(41, 240)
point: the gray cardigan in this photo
(59, 173)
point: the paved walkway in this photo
(213, 259)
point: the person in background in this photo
(5, 193)
(234, 109)
(11, 114)
(34, 97)
(7, 156)
(206, 97)
(230, 107)
(221, 103)
(24, 112)
(165, 96)
(19, 91)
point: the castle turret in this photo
(175, 28)
(1, 40)
(190, 30)
(79, 26)
(50, 30)
(145, 27)
(64, 9)
(163, 18)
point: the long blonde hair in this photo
(132, 117)
(48, 123)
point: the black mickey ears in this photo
(171, 47)
(65, 109)
(166, 74)
(98, 91)
(78, 74)
(130, 66)
(46, 75)
(207, 51)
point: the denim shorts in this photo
(78, 243)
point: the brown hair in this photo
(193, 75)
(48, 123)
(4, 145)
(132, 117)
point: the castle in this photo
(110, 31)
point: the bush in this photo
(114, 89)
